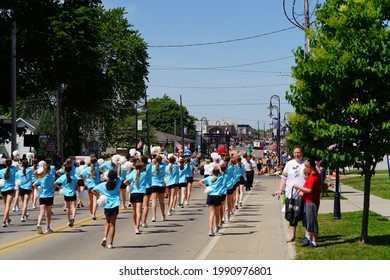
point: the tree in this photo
(342, 92)
(92, 56)
(165, 111)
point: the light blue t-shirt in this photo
(140, 187)
(26, 180)
(69, 188)
(229, 177)
(9, 184)
(190, 169)
(47, 184)
(92, 182)
(172, 178)
(107, 166)
(217, 186)
(113, 196)
(183, 175)
(158, 179)
(148, 175)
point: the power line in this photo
(221, 42)
(218, 87)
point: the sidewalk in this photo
(354, 202)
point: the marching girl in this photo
(45, 180)
(158, 187)
(34, 195)
(91, 175)
(8, 189)
(138, 180)
(172, 183)
(17, 163)
(80, 187)
(107, 166)
(24, 175)
(229, 177)
(148, 193)
(68, 183)
(190, 179)
(241, 182)
(111, 190)
(213, 186)
(182, 181)
(124, 167)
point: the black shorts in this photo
(108, 212)
(47, 201)
(172, 186)
(136, 197)
(123, 186)
(236, 185)
(190, 179)
(80, 182)
(90, 190)
(23, 192)
(230, 191)
(214, 200)
(10, 192)
(148, 191)
(223, 197)
(182, 185)
(157, 189)
(242, 180)
(70, 198)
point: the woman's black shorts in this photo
(111, 211)
(123, 186)
(190, 179)
(214, 200)
(172, 186)
(80, 182)
(157, 189)
(47, 201)
(230, 191)
(10, 192)
(23, 192)
(70, 198)
(137, 197)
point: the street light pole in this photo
(258, 130)
(201, 133)
(271, 107)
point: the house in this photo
(21, 141)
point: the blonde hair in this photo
(93, 170)
(158, 160)
(216, 173)
(138, 167)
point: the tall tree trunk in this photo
(366, 203)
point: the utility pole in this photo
(13, 87)
(307, 25)
(59, 124)
(147, 125)
(182, 124)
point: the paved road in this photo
(183, 236)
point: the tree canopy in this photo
(91, 55)
(342, 90)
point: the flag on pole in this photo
(139, 145)
(178, 145)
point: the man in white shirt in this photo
(250, 166)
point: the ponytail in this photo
(139, 168)
(68, 169)
(93, 170)
(8, 163)
(158, 160)
(111, 183)
(24, 165)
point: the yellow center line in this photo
(38, 237)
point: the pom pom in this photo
(126, 166)
(18, 183)
(102, 200)
(41, 163)
(100, 161)
(15, 153)
(2, 181)
(105, 176)
(30, 155)
(115, 158)
(37, 191)
(61, 191)
(122, 160)
(132, 152)
(208, 190)
(128, 188)
(215, 156)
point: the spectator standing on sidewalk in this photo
(250, 166)
(293, 174)
(311, 193)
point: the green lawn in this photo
(339, 239)
(380, 184)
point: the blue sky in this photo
(227, 81)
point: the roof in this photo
(163, 137)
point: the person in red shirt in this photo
(311, 193)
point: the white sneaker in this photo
(49, 230)
(211, 233)
(137, 231)
(104, 242)
(163, 218)
(144, 225)
(110, 246)
(186, 202)
(39, 229)
(169, 213)
(23, 219)
(173, 210)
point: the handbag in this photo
(294, 208)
